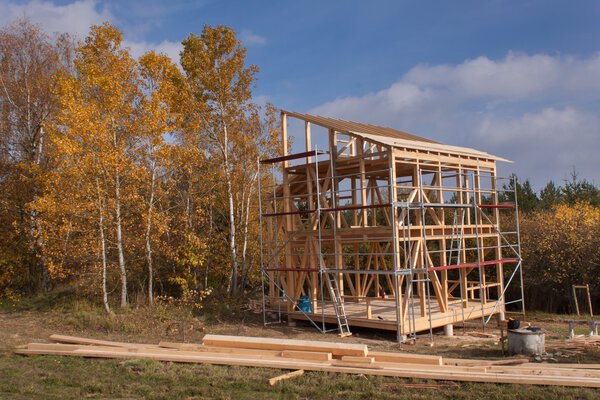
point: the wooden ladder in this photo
(338, 304)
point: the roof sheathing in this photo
(391, 137)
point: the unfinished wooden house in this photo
(382, 229)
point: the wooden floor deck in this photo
(382, 314)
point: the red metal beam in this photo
(311, 153)
(293, 269)
(332, 209)
(277, 214)
(344, 208)
(502, 205)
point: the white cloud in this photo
(547, 143)
(250, 38)
(516, 76)
(171, 49)
(538, 110)
(74, 18)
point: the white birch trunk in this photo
(148, 235)
(232, 285)
(246, 224)
(102, 249)
(120, 250)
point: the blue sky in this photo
(520, 79)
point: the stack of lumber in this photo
(578, 344)
(323, 356)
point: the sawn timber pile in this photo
(324, 356)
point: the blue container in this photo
(304, 304)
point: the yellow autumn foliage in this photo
(561, 248)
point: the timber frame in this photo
(411, 230)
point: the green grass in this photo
(48, 377)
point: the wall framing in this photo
(412, 231)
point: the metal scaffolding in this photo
(365, 235)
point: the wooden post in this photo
(290, 284)
(498, 239)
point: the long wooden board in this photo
(215, 349)
(406, 358)
(87, 341)
(411, 371)
(306, 355)
(337, 349)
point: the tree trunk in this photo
(36, 226)
(121, 252)
(246, 223)
(103, 249)
(232, 285)
(148, 236)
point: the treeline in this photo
(128, 178)
(134, 178)
(560, 236)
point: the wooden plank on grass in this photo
(88, 341)
(73, 347)
(215, 349)
(362, 360)
(289, 375)
(41, 347)
(411, 372)
(306, 355)
(406, 358)
(337, 349)
(350, 364)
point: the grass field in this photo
(45, 377)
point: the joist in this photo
(337, 349)
(289, 375)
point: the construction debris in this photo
(304, 355)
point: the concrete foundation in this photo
(449, 330)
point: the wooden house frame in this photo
(384, 229)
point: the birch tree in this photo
(159, 78)
(29, 59)
(214, 64)
(98, 113)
